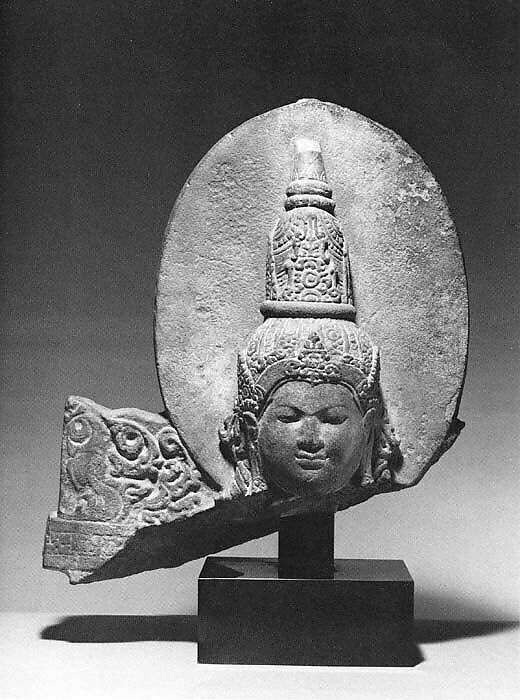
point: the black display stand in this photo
(304, 608)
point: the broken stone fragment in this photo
(121, 470)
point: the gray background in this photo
(106, 109)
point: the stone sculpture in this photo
(330, 407)
(309, 416)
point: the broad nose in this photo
(309, 437)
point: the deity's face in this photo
(311, 438)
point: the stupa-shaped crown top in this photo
(308, 271)
(309, 186)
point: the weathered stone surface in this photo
(333, 405)
(131, 499)
(406, 272)
(121, 470)
(309, 418)
(89, 551)
(126, 466)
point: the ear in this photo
(369, 421)
(251, 425)
(366, 461)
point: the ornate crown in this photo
(307, 349)
(309, 332)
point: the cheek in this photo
(343, 440)
(275, 438)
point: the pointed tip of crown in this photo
(308, 186)
(305, 144)
(308, 161)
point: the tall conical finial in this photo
(308, 272)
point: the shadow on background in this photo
(183, 628)
(429, 631)
(447, 615)
(123, 628)
(477, 621)
(455, 618)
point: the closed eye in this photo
(288, 418)
(335, 420)
(285, 413)
(334, 416)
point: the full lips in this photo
(308, 462)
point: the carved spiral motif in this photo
(128, 440)
(125, 468)
(79, 430)
(169, 445)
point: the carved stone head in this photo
(309, 418)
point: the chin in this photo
(301, 479)
(310, 484)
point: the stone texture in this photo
(309, 418)
(121, 471)
(139, 491)
(126, 466)
(131, 499)
(407, 275)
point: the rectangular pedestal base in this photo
(363, 616)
